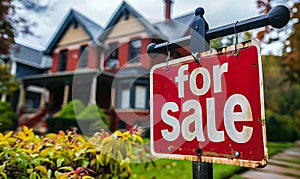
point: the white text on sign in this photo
(230, 116)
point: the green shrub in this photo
(67, 155)
(95, 113)
(281, 127)
(7, 117)
(72, 109)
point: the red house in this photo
(104, 66)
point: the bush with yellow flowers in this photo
(68, 155)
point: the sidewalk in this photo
(285, 165)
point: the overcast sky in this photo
(217, 13)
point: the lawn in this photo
(164, 168)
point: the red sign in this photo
(212, 111)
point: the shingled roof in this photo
(93, 30)
(177, 27)
(29, 56)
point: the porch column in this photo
(66, 95)
(102, 58)
(93, 90)
(113, 98)
(22, 97)
(42, 101)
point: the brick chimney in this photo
(168, 10)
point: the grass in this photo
(169, 169)
(275, 147)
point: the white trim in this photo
(35, 89)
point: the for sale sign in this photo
(212, 111)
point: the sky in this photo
(217, 13)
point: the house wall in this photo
(123, 32)
(73, 58)
(124, 27)
(24, 70)
(73, 35)
(94, 57)
(73, 39)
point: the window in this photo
(83, 56)
(112, 61)
(135, 97)
(125, 98)
(140, 97)
(134, 51)
(63, 56)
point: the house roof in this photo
(177, 27)
(28, 56)
(92, 29)
(126, 8)
(66, 77)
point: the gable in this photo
(74, 35)
(126, 27)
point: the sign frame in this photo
(213, 159)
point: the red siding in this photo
(145, 59)
(93, 57)
(55, 62)
(123, 54)
(73, 56)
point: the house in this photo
(25, 61)
(104, 66)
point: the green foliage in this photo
(67, 155)
(282, 102)
(8, 83)
(93, 113)
(71, 110)
(281, 127)
(7, 116)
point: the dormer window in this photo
(134, 51)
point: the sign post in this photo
(212, 111)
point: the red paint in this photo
(243, 77)
(55, 63)
(145, 59)
(73, 58)
(168, 10)
(123, 54)
(93, 57)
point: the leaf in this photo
(2, 167)
(3, 175)
(42, 169)
(59, 162)
(57, 174)
(87, 177)
(63, 176)
(85, 163)
(7, 135)
(70, 169)
(33, 175)
(49, 173)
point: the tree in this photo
(8, 84)
(291, 49)
(12, 25)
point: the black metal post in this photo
(200, 43)
(278, 17)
